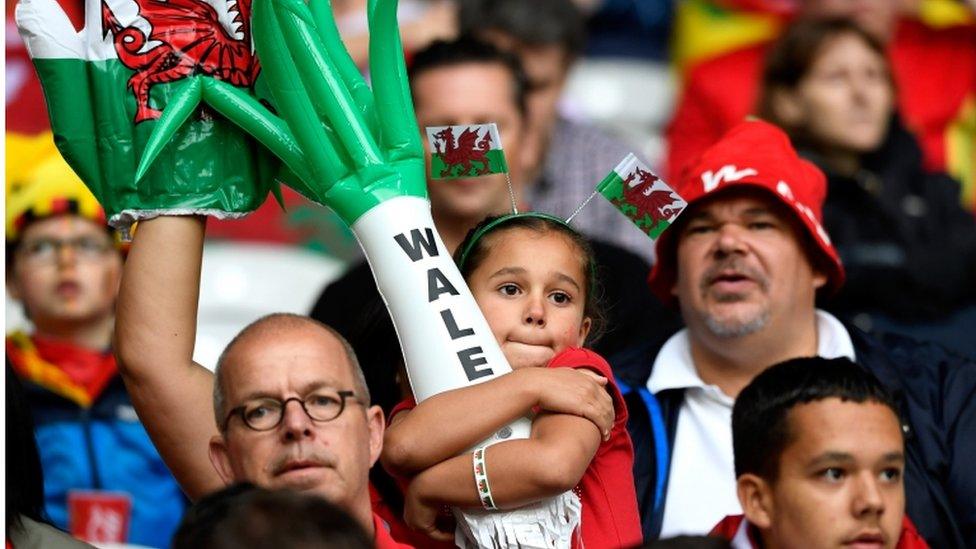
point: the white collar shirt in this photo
(701, 488)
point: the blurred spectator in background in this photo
(908, 246)
(932, 47)
(243, 516)
(467, 81)
(421, 22)
(566, 159)
(64, 266)
(819, 460)
(27, 525)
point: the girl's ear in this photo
(584, 330)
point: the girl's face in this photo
(532, 290)
(846, 99)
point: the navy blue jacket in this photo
(935, 389)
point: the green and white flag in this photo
(641, 196)
(106, 85)
(465, 151)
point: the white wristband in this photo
(481, 480)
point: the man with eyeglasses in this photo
(64, 266)
(290, 407)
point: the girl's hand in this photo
(423, 516)
(577, 392)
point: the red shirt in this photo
(609, 501)
(737, 528)
(610, 515)
(382, 538)
(395, 525)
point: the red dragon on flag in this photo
(463, 152)
(187, 38)
(657, 203)
(641, 196)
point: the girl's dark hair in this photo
(792, 56)
(475, 248)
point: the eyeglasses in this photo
(46, 250)
(266, 414)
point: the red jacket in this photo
(742, 535)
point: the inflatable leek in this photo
(358, 151)
(105, 87)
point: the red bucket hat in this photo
(757, 154)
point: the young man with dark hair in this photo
(819, 458)
(568, 158)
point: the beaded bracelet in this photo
(481, 480)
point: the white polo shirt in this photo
(701, 489)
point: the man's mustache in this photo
(734, 266)
(302, 458)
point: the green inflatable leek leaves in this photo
(345, 146)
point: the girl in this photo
(532, 276)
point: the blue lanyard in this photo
(660, 434)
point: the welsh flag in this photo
(641, 196)
(465, 151)
(106, 85)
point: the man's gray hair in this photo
(278, 320)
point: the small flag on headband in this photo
(465, 151)
(642, 196)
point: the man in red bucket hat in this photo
(745, 264)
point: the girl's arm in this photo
(519, 472)
(446, 424)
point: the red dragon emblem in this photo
(189, 38)
(464, 153)
(658, 204)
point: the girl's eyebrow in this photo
(568, 279)
(508, 271)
